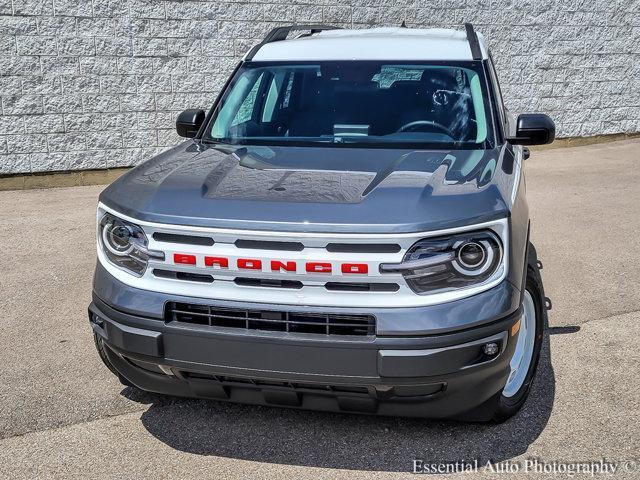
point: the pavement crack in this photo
(609, 317)
(67, 425)
(577, 326)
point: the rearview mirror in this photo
(189, 122)
(534, 129)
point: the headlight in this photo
(452, 262)
(125, 244)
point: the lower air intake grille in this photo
(272, 320)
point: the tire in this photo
(511, 399)
(103, 356)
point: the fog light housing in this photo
(95, 319)
(491, 349)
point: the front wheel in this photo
(527, 352)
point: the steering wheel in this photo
(425, 123)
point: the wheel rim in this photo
(523, 354)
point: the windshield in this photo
(355, 103)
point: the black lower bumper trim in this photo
(448, 399)
(425, 377)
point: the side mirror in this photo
(534, 129)
(189, 122)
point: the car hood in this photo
(322, 189)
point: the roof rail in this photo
(281, 33)
(474, 44)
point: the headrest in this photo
(437, 78)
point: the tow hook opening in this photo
(96, 320)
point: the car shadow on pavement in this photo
(346, 441)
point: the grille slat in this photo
(268, 283)
(183, 239)
(272, 320)
(362, 287)
(184, 276)
(270, 245)
(363, 247)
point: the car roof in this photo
(390, 43)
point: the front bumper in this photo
(442, 374)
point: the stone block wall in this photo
(92, 84)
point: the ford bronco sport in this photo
(346, 229)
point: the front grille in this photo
(272, 320)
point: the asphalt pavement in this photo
(63, 415)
